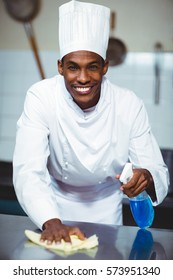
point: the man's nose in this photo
(83, 76)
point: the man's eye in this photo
(93, 67)
(72, 68)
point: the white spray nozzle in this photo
(127, 173)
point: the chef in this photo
(76, 133)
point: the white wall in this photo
(138, 74)
(18, 71)
(139, 23)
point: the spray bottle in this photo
(140, 205)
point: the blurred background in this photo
(145, 29)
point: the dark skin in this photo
(141, 180)
(54, 230)
(83, 72)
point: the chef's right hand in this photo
(54, 230)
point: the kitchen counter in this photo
(115, 242)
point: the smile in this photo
(82, 89)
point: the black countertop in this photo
(115, 242)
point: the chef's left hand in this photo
(141, 180)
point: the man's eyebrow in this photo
(94, 62)
(71, 62)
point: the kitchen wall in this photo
(140, 23)
(18, 71)
(140, 28)
(138, 74)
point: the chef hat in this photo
(83, 26)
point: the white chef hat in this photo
(83, 26)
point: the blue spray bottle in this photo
(140, 205)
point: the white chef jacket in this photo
(66, 159)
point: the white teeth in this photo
(83, 89)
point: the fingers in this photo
(78, 232)
(137, 184)
(49, 238)
(55, 236)
(134, 191)
(50, 235)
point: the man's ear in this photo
(105, 67)
(60, 67)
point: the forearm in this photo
(150, 159)
(160, 178)
(150, 187)
(35, 195)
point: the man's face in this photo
(83, 72)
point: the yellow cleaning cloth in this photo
(76, 243)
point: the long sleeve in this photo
(30, 175)
(144, 152)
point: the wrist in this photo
(51, 222)
(151, 188)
